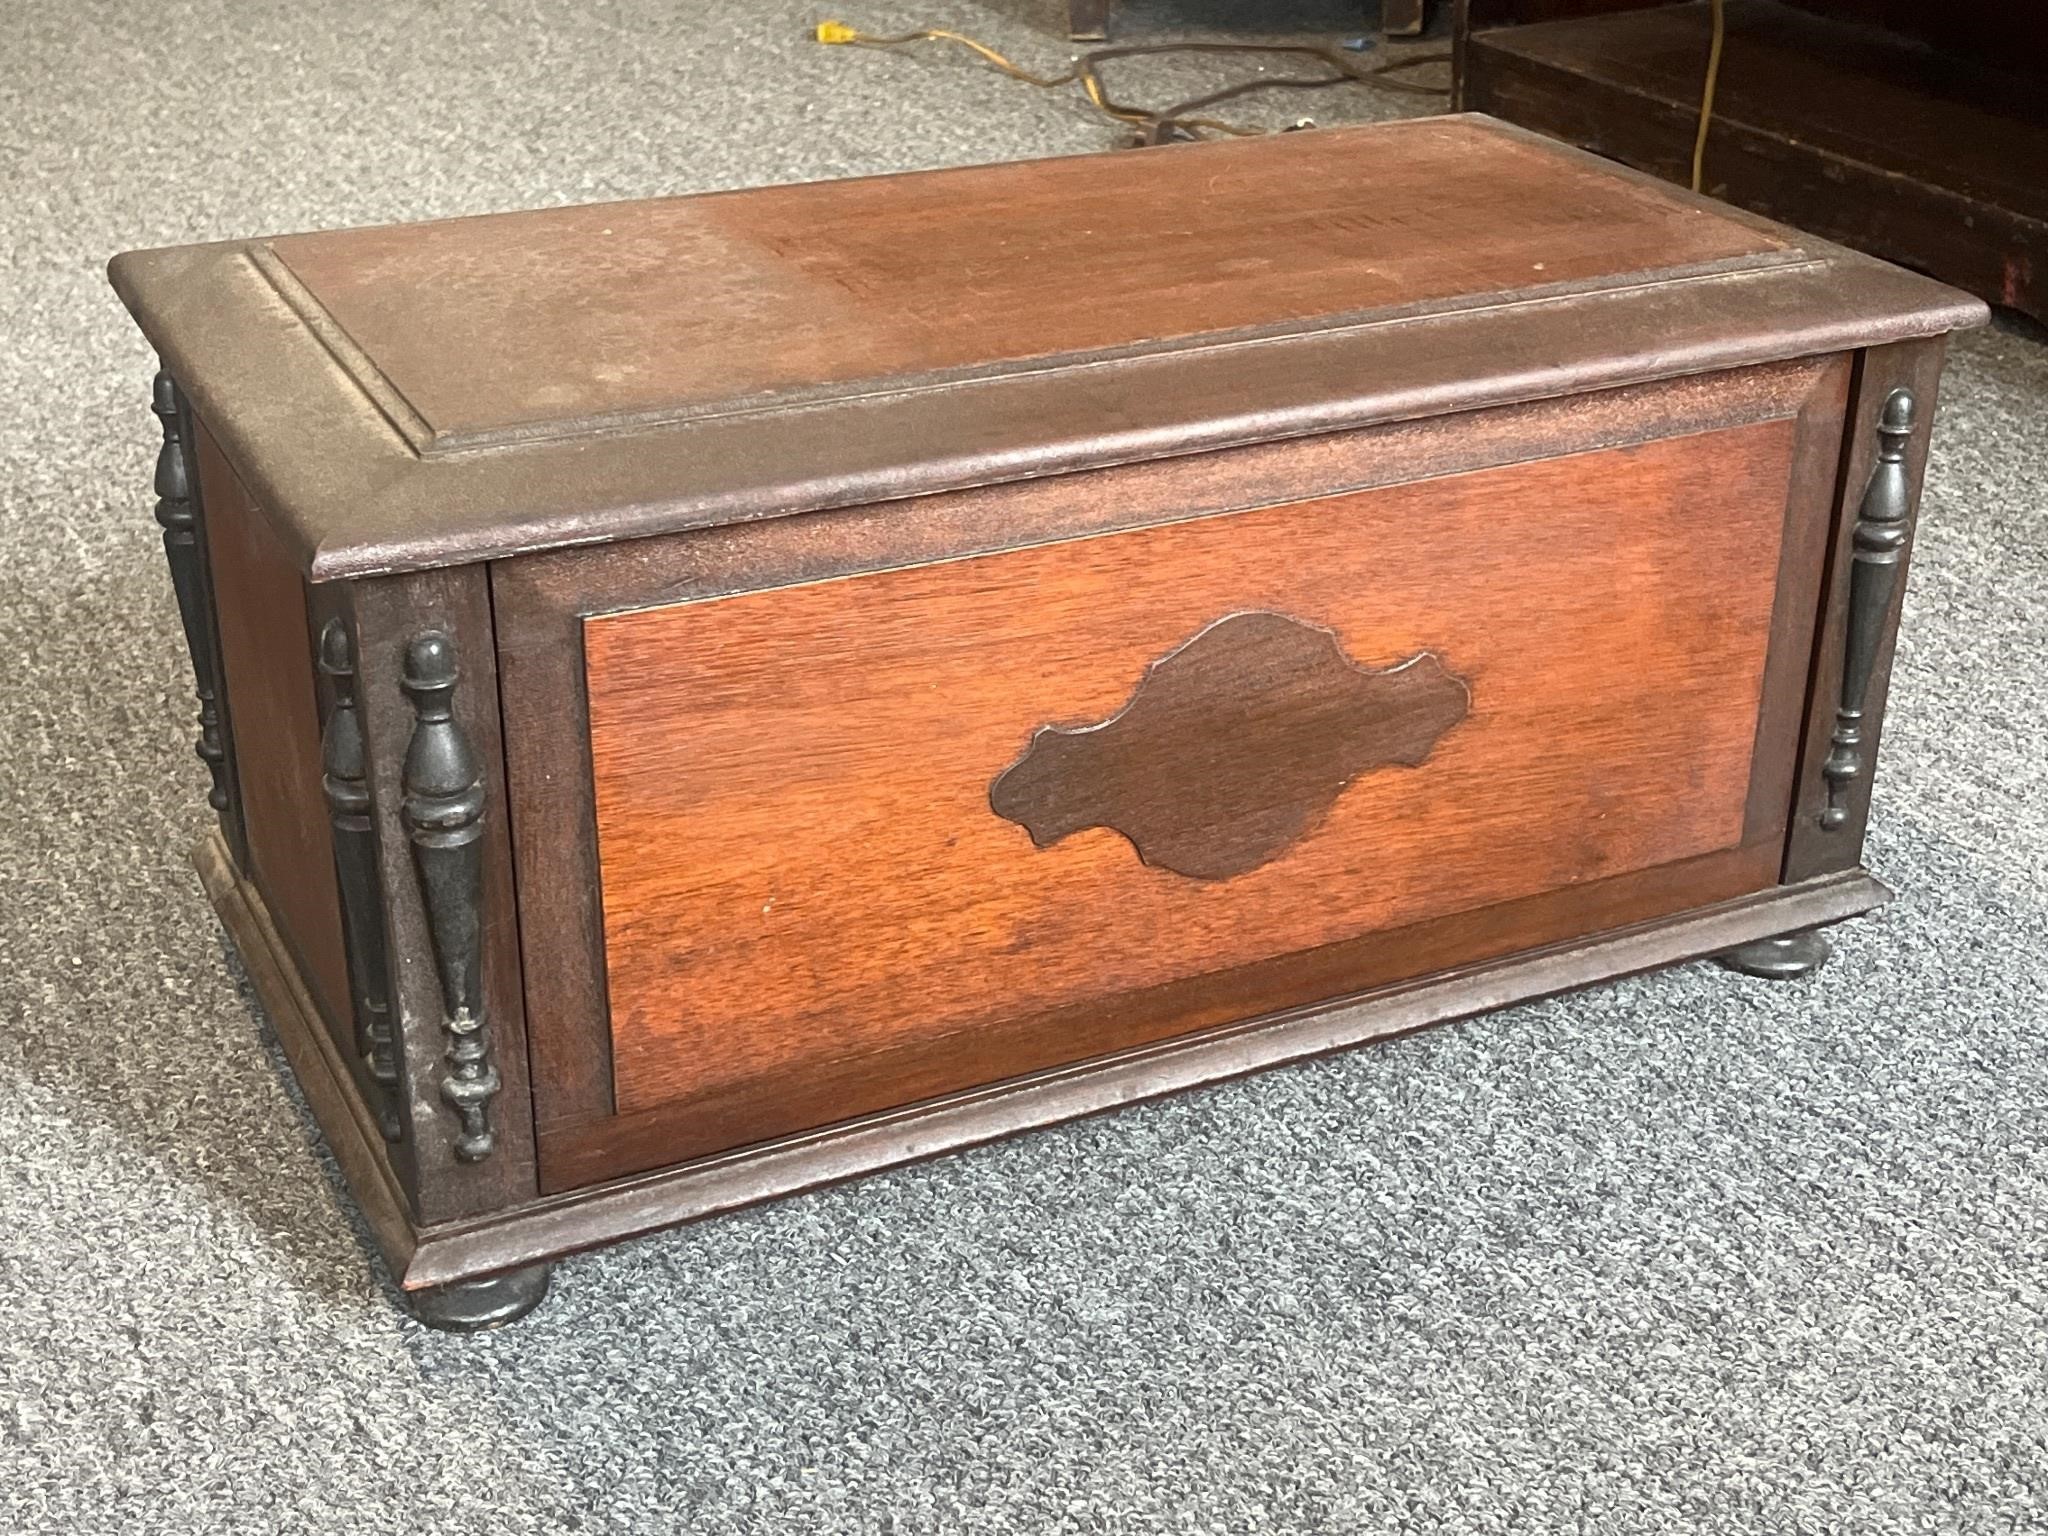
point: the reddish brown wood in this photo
(587, 1152)
(267, 664)
(702, 304)
(538, 603)
(748, 759)
(346, 467)
(590, 1149)
(579, 1217)
(1233, 747)
(582, 1150)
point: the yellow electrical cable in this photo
(838, 32)
(1699, 143)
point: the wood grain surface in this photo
(800, 869)
(682, 305)
(539, 604)
(1233, 747)
(578, 1217)
(266, 649)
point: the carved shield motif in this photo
(1232, 748)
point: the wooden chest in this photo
(713, 695)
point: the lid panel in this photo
(507, 325)
(405, 398)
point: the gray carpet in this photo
(1686, 1254)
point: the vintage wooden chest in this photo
(713, 695)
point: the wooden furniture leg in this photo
(1783, 958)
(475, 1306)
(1088, 19)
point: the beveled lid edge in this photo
(352, 496)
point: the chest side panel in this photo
(802, 864)
(266, 642)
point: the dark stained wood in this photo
(1494, 13)
(369, 1057)
(323, 1070)
(332, 462)
(676, 306)
(1403, 18)
(538, 603)
(561, 902)
(1233, 748)
(1935, 159)
(182, 436)
(385, 617)
(748, 761)
(266, 654)
(628, 1207)
(1813, 849)
(1802, 562)
(2011, 37)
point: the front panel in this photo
(857, 837)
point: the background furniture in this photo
(1917, 132)
(1089, 19)
(1403, 18)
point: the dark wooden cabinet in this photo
(715, 695)
(1916, 132)
(1088, 20)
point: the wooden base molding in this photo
(549, 1228)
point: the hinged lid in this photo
(432, 393)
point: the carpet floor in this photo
(1689, 1253)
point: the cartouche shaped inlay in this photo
(1232, 748)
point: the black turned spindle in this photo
(1879, 543)
(178, 514)
(346, 782)
(443, 811)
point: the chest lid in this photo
(431, 393)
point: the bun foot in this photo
(473, 1306)
(1779, 959)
